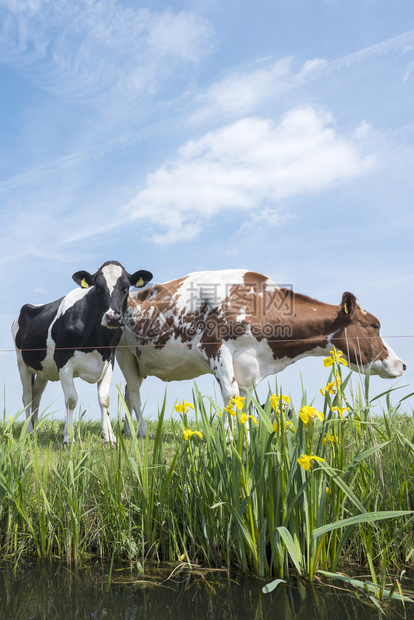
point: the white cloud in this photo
(363, 131)
(399, 44)
(181, 35)
(239, 93)
(265, 218)
(245, 166)
(82, 49)
(242, 92)
(409, 69)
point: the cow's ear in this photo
(140, 278)
(83, 278)
(348, 304)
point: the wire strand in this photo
(187, 344)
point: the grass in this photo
(315, 493)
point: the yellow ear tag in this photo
(140, 283)
(345, 308)
(84, 284)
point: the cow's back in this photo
(178, 310)
(175, 327)
(30, 331)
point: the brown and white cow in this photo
(241, 327)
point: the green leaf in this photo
(269, 587)
(366, 517)
(337, 479)
(264, 418)
(366, 585)
(405, 439)
(388, 392)
(290, 546)
(377, 604)
(360, 457)
(405, 397)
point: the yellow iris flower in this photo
(288, 426)
(275, 401)
(188, 433)
(306, 460)
(328, 389)
(237, 401)
(335, 356)
(340, 410)
(182, 407)
(331, 438)
(308, 414)
(229, 410)
(244, 417)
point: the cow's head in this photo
(359, 339)
(111, 285)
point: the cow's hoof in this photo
(126, 430)
(109, 443)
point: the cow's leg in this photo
(133, 402)
(27, 379)
(223, 370)
(127, 398)
(128, 365)
(104, 385)
(38, 387)
(71, 400)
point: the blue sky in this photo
(275, 136)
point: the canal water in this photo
(45, 592)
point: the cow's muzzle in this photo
(112, 320)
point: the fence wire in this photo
(187, 344)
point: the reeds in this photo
(282, 487)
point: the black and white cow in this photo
(74, 336)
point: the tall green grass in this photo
(328, 490)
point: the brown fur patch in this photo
(292, 324)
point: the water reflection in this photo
(46, 591)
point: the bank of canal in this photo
(44, 591)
